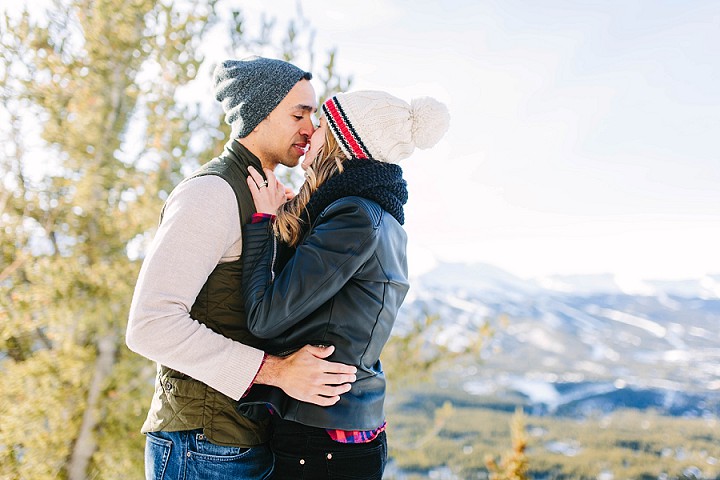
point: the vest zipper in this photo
(272, 262)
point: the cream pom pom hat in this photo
(377, 125)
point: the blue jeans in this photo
(188, 455)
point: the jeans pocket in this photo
(288, 466)
(216, 462)
(203, 446)
(357, 461)
(157, 456)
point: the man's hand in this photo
(306, 376)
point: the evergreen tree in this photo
(514, 464)
(95, 135)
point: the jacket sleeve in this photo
(344, 238)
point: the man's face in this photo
(282, 137)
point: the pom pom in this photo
(431, 120)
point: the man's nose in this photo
(307, 128)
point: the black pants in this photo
(303, 452)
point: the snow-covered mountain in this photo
(587, 341)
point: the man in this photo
(187, 310)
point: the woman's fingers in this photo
(271, 180)
(257, 178)
(268, 195)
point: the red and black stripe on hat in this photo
(343, 130)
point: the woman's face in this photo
(316, 141)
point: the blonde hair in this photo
(328, 163)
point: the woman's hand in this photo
(268, 195)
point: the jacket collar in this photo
(237, 152)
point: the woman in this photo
(346, 279)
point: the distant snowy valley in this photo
(577, 345)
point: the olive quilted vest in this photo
(181, 402)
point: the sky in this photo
(584, 137)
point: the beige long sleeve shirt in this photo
(199, 230)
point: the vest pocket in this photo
(178, 387)
(186, 399)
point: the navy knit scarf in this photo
(377, 181)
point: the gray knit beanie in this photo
(251, 88)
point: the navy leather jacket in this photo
(342, 287)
